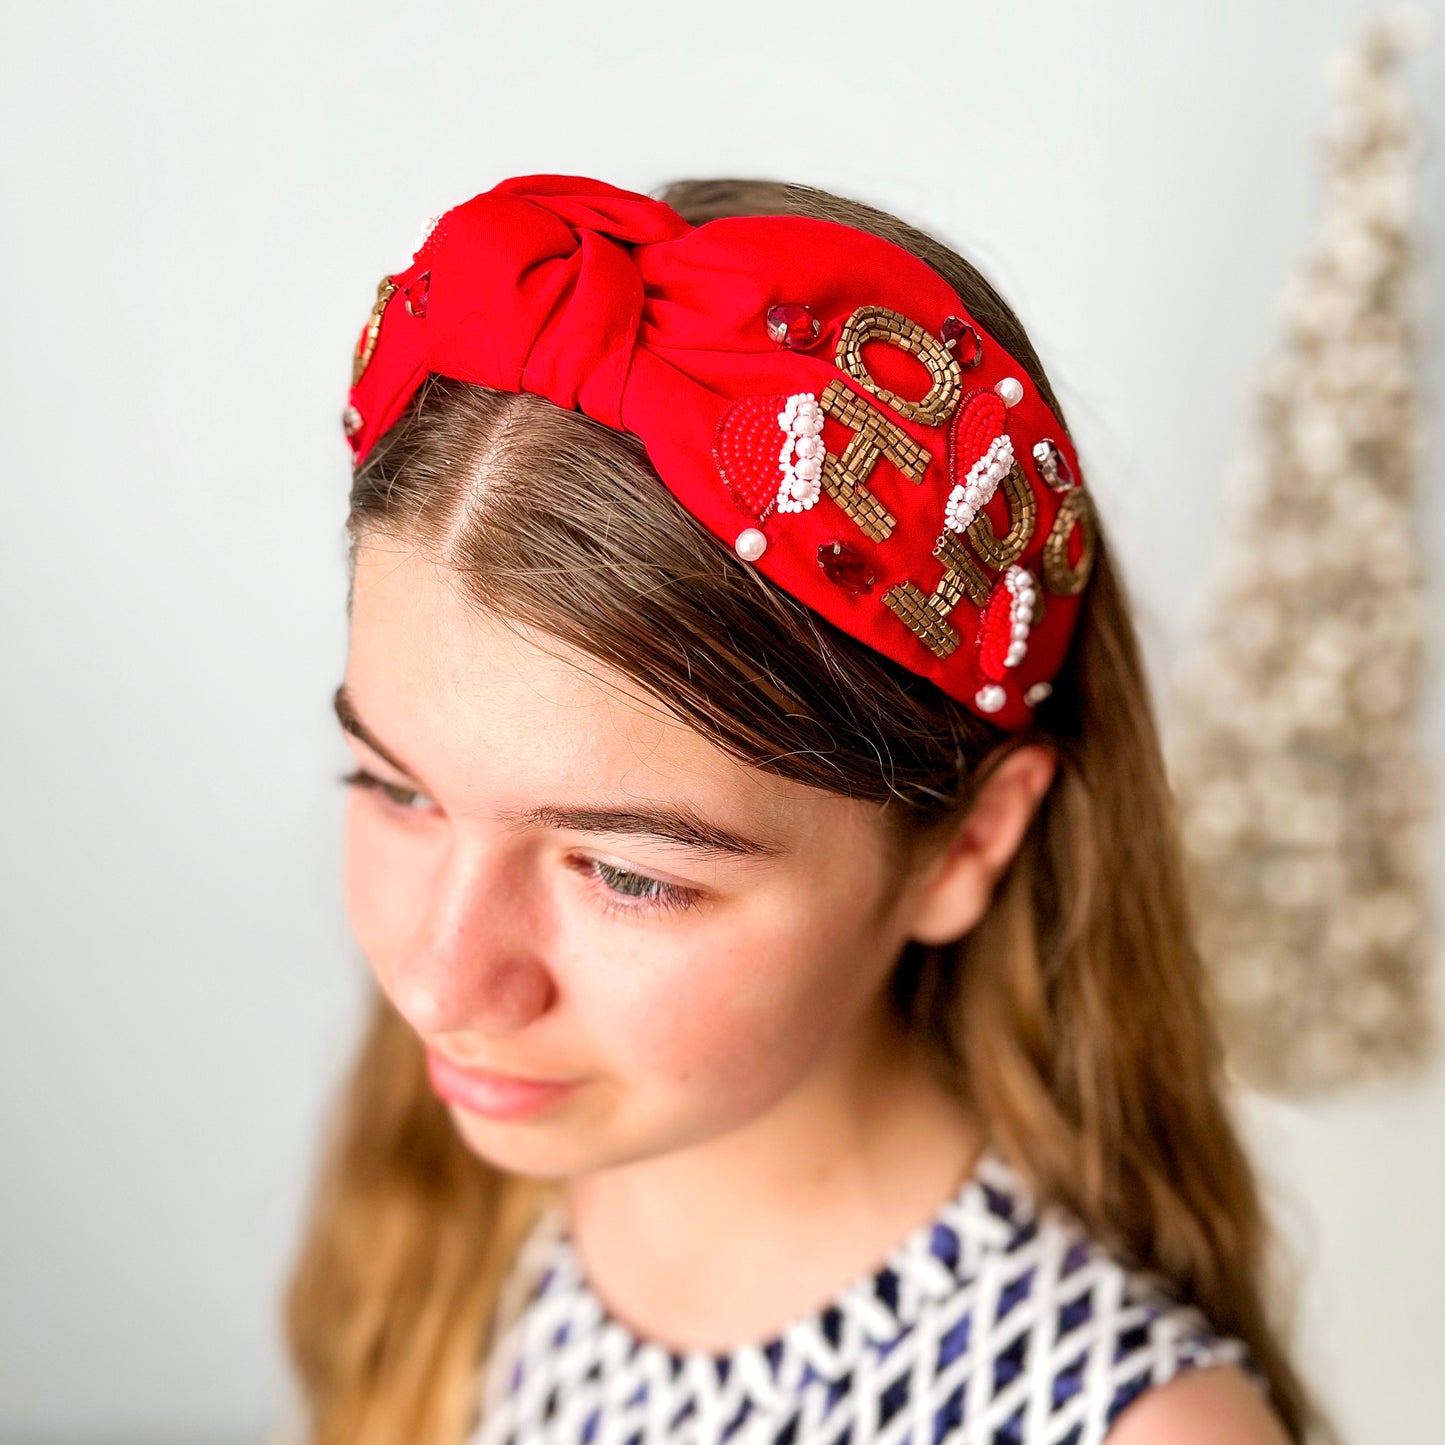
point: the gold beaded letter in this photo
(874, 435)
(367, 344)
(926, 614)
(1023, 509)
(877, 323)
(1077, 509)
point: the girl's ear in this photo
(953, 890)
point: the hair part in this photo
(1076, 1017)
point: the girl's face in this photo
(553, 879)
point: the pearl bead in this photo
(1038, 692)
(989, 698)
(1011, 389)
(751, 544)
(351, 421)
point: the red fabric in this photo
(609, 302)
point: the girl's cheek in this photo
(716, 1014)
(762, 1009)
(384, 891)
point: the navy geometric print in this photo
(995, 1323)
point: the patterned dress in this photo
(994, 1323)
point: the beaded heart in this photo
(979, 456)
(1003, 630)
(769, 450)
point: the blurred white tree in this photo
(1291, 731)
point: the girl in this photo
(788, 1025)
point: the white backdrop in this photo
(199, 201)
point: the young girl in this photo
(788, 1025)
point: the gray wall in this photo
(199, 200)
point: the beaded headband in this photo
(817, 397)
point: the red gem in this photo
(956, 329)
(792, 326)
(417, 293)
(846, 567)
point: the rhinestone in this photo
(1054, 469)
(417, 293)
(792, 326)
(956, 329)
(1011, 389)
(846, 567)
(351, 421)
(751, 544)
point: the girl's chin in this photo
(554, 1149)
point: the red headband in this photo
(817, 397)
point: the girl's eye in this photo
(398, 799)
(647, 895)
(621, 890)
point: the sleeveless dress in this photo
(993, 1323)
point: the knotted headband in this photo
(817, 397)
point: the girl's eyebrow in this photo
(676, 823)
(351, 722)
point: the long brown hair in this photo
(1075, 1016)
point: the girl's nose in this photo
(476, 963)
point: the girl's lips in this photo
(494, 1095)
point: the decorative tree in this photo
(1303, 798)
